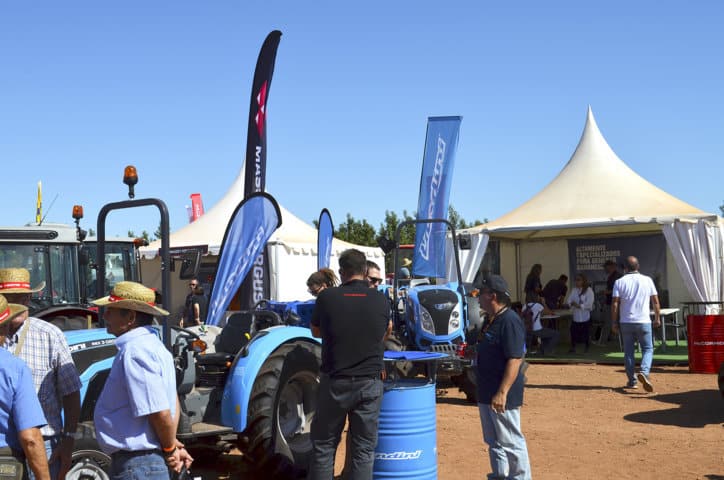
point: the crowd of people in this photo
(137, 413)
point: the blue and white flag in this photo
(441, 143)
(325, 233)
(251, 225)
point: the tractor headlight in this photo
(426, 321)
(454, 323)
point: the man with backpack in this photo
(549, 337)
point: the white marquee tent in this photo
(597, 194)
(292, 248)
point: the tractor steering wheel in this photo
(185, 331)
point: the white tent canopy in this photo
(594, 191)
(292, 248)
(597, 194)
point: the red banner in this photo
(197, 206)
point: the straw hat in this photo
(406, 262)
(17, 280)
(132, 296)
(8, 311)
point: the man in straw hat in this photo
(43, 347)
(20, 412)
(137, 412)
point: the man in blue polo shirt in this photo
(500, 382)
(20, 413)
(137, 412)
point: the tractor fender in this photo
(246, 366)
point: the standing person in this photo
(43, 347)
(137, 412)
(374, 276)
(613, 275)
(533, 286)
(501, 382)
(200, 304)
(581, 302)
(554, 293)
(352, 320)
(21, 415)
(189, 316)
(321, 279)
(632, 295)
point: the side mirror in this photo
(386, 244)
(465, 242)
(190, 263)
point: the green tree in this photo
(359, 232)
(91, 232)
(388, 228)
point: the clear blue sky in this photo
(89, 87)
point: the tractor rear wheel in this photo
(468, 384)
(281, 408)
(88, 462)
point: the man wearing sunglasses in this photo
(374, 276)
(192, 309)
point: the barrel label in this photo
(398, 455)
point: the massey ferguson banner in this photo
(258, 288)
(441, 143)
(252, 224)
(325, 233)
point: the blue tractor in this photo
(434, 317)
(251, 384)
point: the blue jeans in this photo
(51, 443)
(142, 465)
(640, 332)
(360, 398)
(506, 443)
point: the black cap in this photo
(495, 283)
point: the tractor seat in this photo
(232, 338)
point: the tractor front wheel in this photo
(282, 405)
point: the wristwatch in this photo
(73, 435)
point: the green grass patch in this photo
(612, 354)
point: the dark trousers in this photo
(358, 397)
(580, 333)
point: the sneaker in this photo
(648, 386)
(632, 385)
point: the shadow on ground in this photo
(695, 409)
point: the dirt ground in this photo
(580, 424)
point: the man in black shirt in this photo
(352, 321)
(500, 382)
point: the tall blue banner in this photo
(325, 233)
(251, 225)
(441, 143)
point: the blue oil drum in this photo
(407, 433)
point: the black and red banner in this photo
(257, 287)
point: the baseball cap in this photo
(495, 283)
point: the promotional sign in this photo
(587, 256)
(197, 206)
(441, 143)
(255, 289)
(325, 233)
(252, 224)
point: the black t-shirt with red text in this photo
(353, 320)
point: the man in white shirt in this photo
(632, 294)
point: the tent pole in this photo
(517, 267)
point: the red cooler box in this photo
(706, 342)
